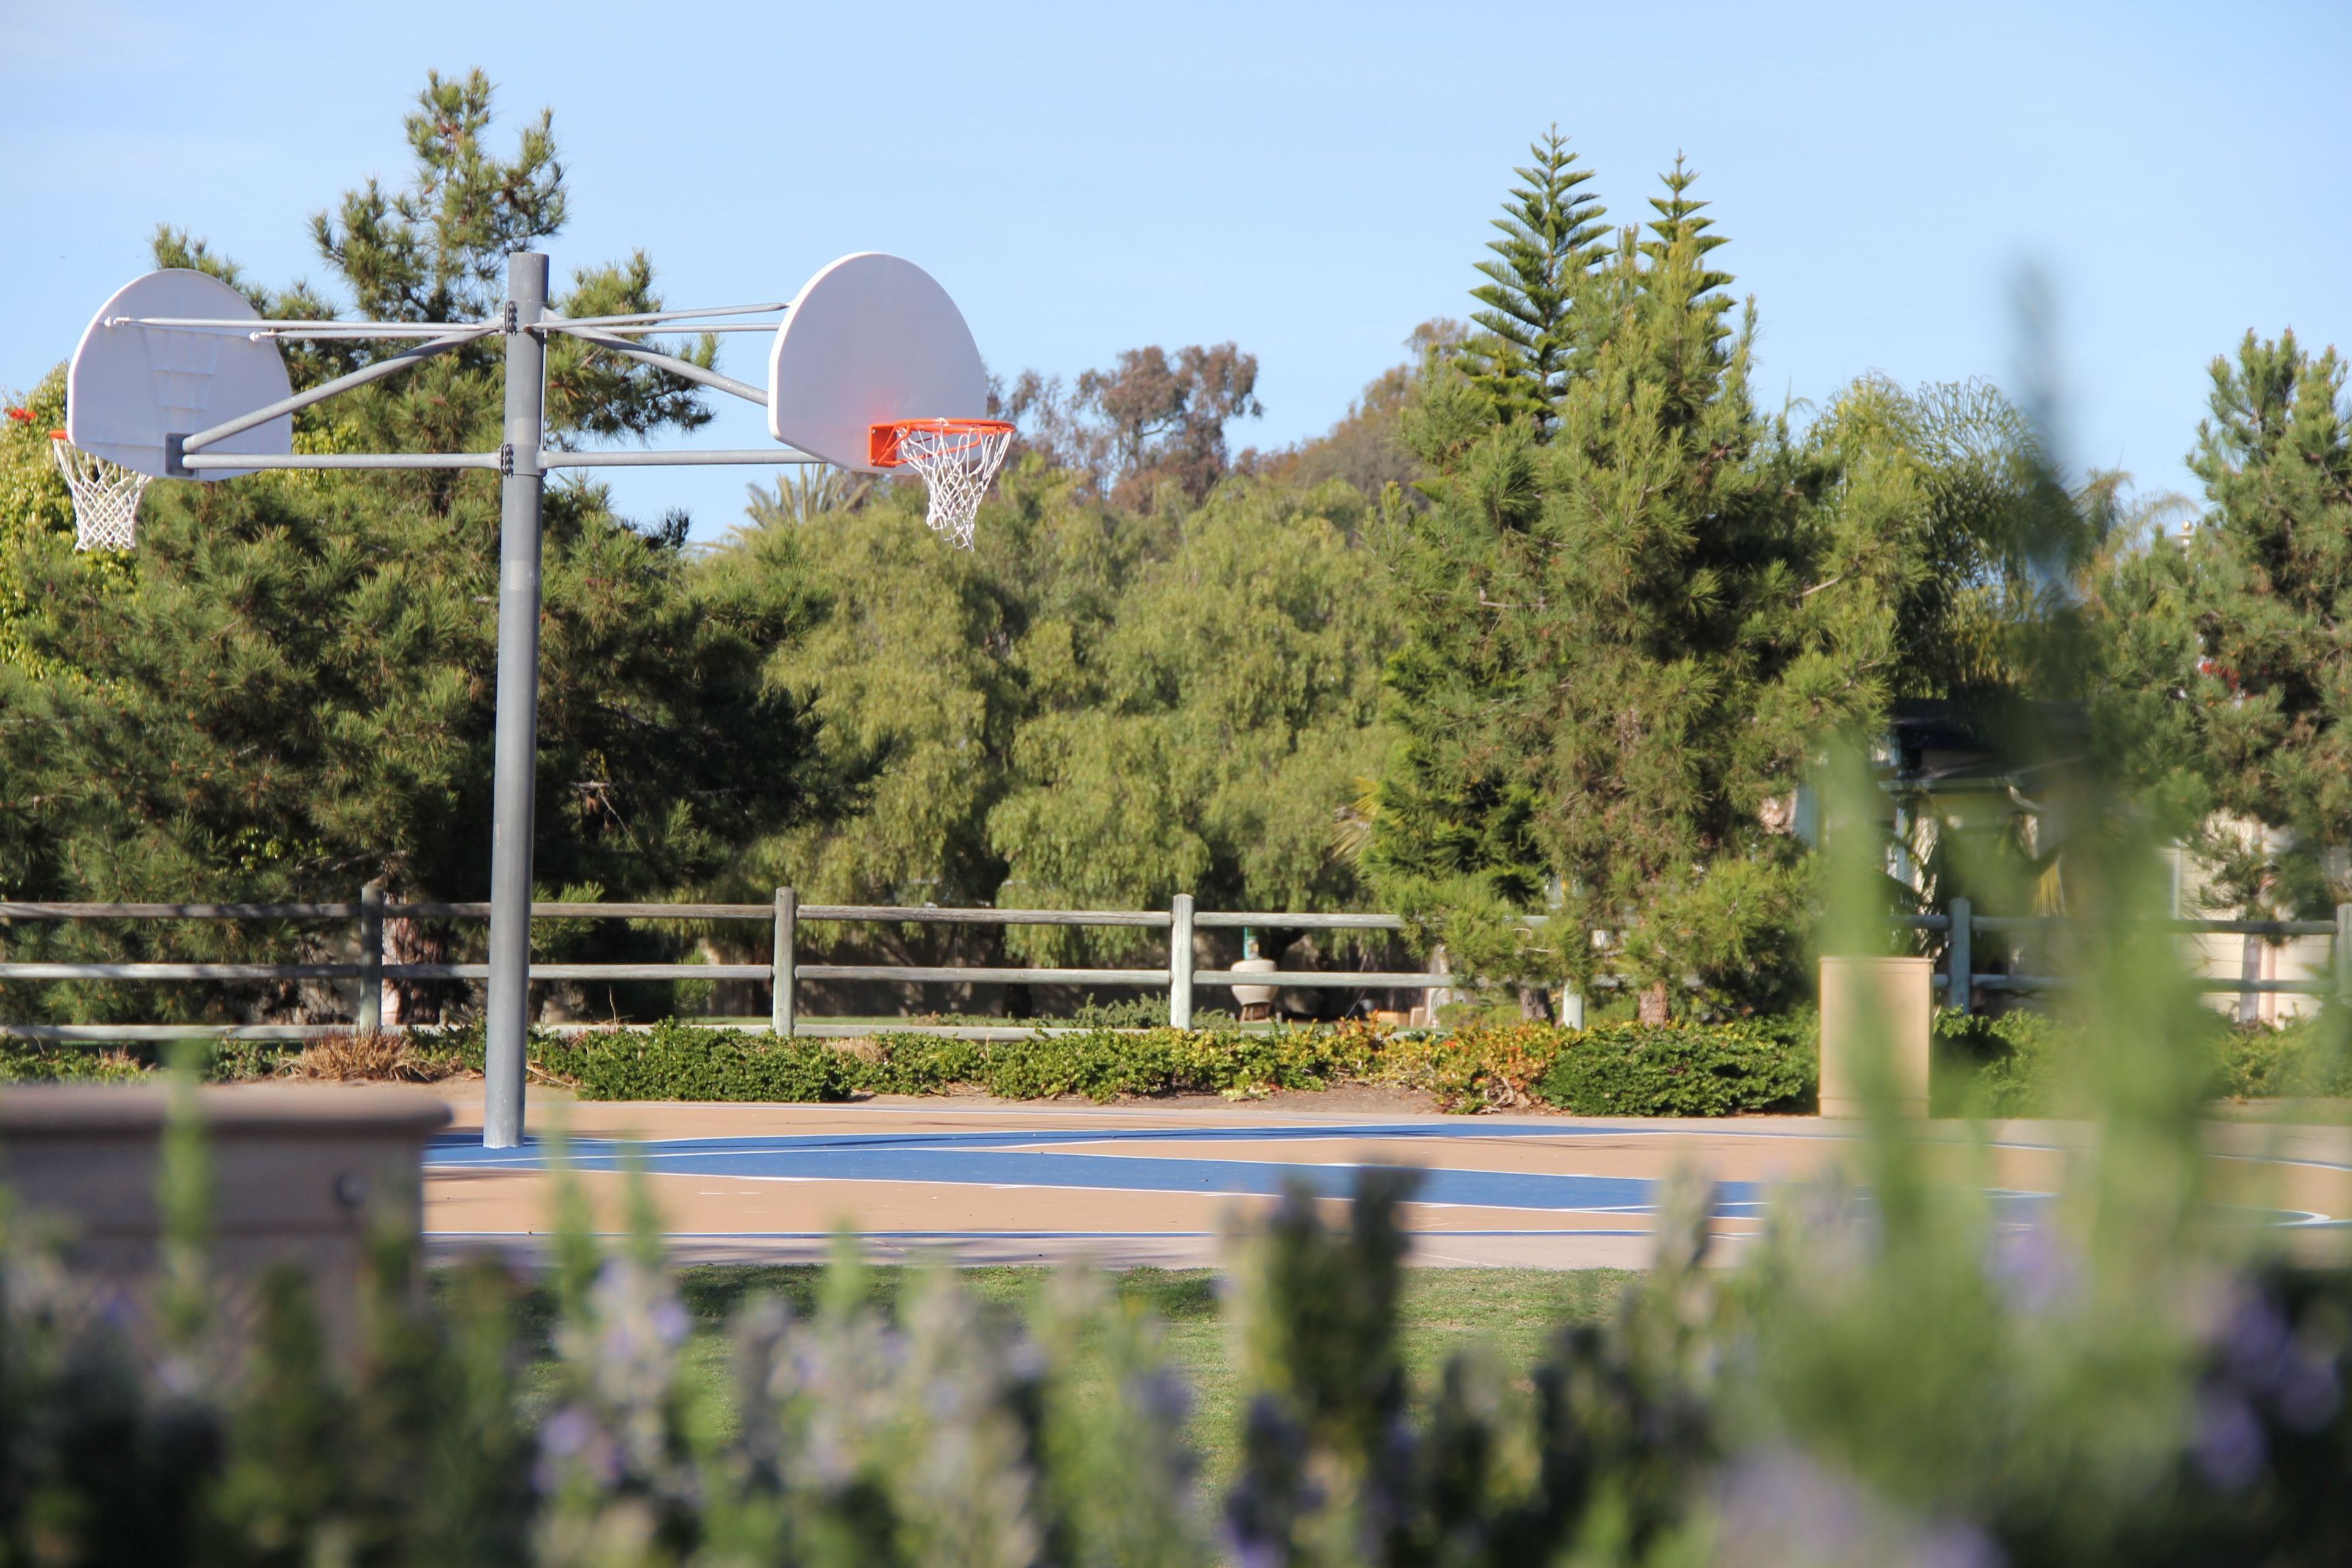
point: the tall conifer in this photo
(2270, 575)
(1552, 236)
(1611, 671)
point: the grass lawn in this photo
(1509, 1310)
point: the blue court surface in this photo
(1008, 1158)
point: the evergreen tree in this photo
(1552, 235)
(287, 690)
(1611, 671)
(2269, 576)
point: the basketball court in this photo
(872, 368)
(984, 1181)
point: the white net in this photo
(958, 459)
(105, 496)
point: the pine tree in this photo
(287, 690)
(2270, 573)
(1610, 667)
(1552, 234)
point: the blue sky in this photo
(1307, 180)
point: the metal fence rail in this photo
(783, 972)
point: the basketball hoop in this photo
(957, 458)
(105, 495)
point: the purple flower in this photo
(2310, 1391)
(567, 1432)
(2230, 1450)
(2253, 1340)
(1782, 1508)
(2035, 1266)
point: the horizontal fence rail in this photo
(784, 972)
(1961, 981)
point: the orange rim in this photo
(882, 440)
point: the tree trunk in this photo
(406, 942)
(1654, 1003)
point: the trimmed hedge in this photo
(1622, 1069)
(1687, 1069)
(687, 1062)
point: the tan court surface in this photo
(988, 1181)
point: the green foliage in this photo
(2033, 1064)
(2302, 1060)
(1692, 1069)
(1211, 737)
(36, 508)
(1949, 545)
(286, 691)
(1090, 708)
(1631, 622)
(2268, 580)
(2012, 1064)
(1610, 665)
(678, 1061)
(1623, 1069)
(1552, 237)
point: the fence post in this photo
(2344, 954)
(1959, 958)
(781, 981)
(1179, 961)
(2249, 969)
(371, 1009)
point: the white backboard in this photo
(870, 340)
(131, 385)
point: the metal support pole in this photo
(1959, 958)
(784, 972)
(1179, 961)
(515, 752)
(369, 1013)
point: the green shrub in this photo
(680, 1061)
(2026, 1063)
(1684, 1069)
(2301, 1061)
(2014, 1064)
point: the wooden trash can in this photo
(300, 1175)
(1876, 1003)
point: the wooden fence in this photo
(1961, 926)
(783, 972)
